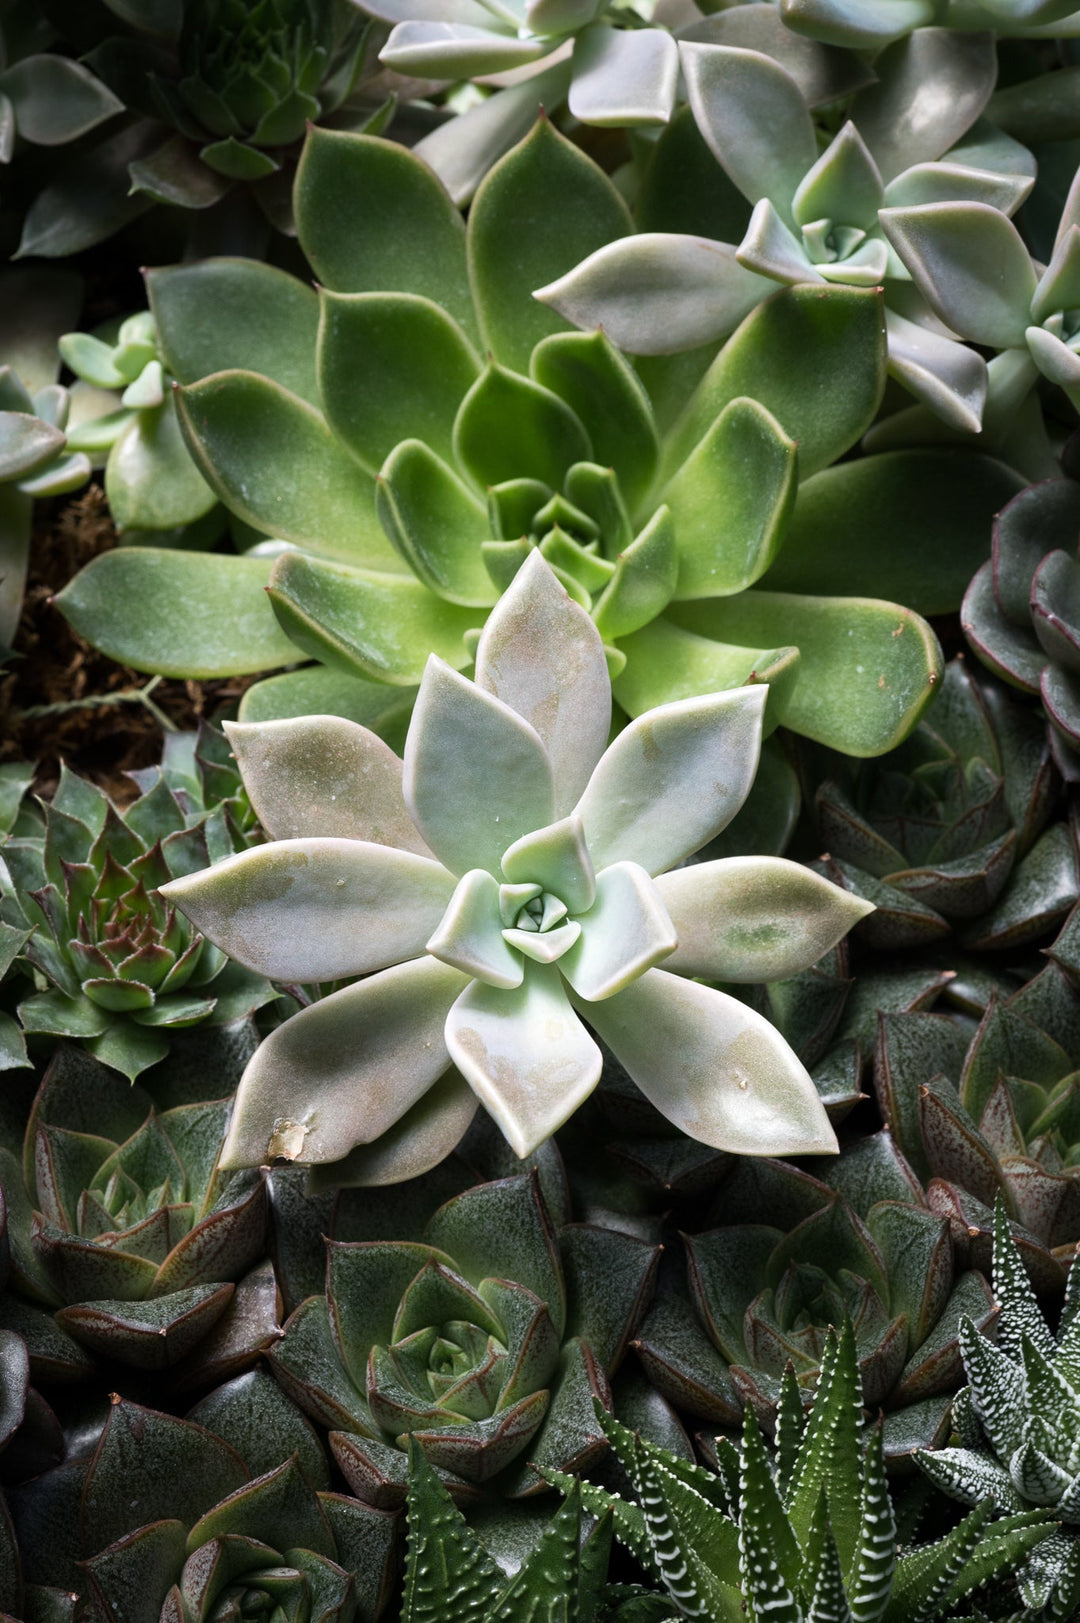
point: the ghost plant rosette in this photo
(510, 877)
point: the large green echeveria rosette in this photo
(485, 1338)
(407, 479)
(506, 879)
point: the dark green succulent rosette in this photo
(486, 1342)
(995, 1109)
(126, 1238)
(226, 1514)
(947, 833)
(759, 1296)
(111, 963)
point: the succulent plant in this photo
(1017, 1422)
(484, 1338)
(122, 1223)
(809, 1533)
(936, 832)
(536, 905)
(994, 1111)
(45, 98)
(150, 480)
(760, 1297)
(383, 502)
(1019, 614)
(189, 1523)
(870, 24)
(116, 966)
(449, 1573)
(817, 215)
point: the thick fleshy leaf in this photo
(416, 1143)
(510, 428)
(345, 1069)
(462, 150)
(625, 932)
(373, 625)
(542, 209)
(274, 462)
(26, 443)
(477, 776)
(866, 672)
(372, 218)
(557, 860)
(713, 1066)
(600, 386)
(930, 89)
(392, 366)
(316, 909)
(673, 779)
(147, 1335)
(752, 114)
(323, 776)
(624, 76)
(470, 934)
(970, 264)
(947, 376)
(540, 654)
(841, 537)
(151, 480)
(55, 99)
(450, 50)
(815, 359)
(843, 185)
(125, 603)
(525, 1054)
(658, 292)
(730, 502)
(223, 313)
(318, 690)
(754, 918)
(436, 523)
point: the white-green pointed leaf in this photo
(344, 1070)
(752, 114)
(540, 654)
(525, 1054)
(730, 501)
(659, 292)
(316, 909)
(446, 50)
(26, 443)
(323, 776)
(948, 377)
(556, 859)
(625, 932)
(771, 249)
(673, 779)
(754, 918)
(930, 88)
(543, 946)
(274, 462)
(421, 1138)
(470, 937)
(624, 76)
(477, 776)
(713, 1066)
(844, 185)
(970, 264)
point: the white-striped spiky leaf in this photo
(829, 1451)
(1035, 1476)
(769, 1555)
(969, 1476)
(1020, 1313)
(998, 1390)
(823, 1581)
(875, 1556)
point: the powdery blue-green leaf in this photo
(673, 779)
(392, 366)
(844, 185)
(867, 669)
(477, 776)
(557, 859)
(540, 654)
(658, 292)
(437, 524)
(730, 502)
(218, 314)
(344, 1070)
(26, 443)
(625, 932)
(542, 209)
(316, 909)
(470, 933)
(418, 1141)
(451, 50)
(274, 462)
(860, 24)
(524, 1053)
(713, 1066)
(624, 76)
(752, 114)
(970, 264)
(175, 613)
(462, 150)
(372, 218)
(323, 776)
(754, 918)
(951, 379)
(930, 87)
(371, 624)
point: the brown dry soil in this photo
(56, 668)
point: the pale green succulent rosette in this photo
(510, 876)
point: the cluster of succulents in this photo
(552, 1090)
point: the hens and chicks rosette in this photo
(514, 877)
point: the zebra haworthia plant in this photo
(510, 876)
